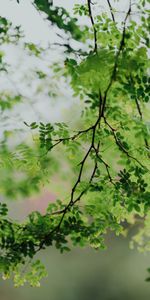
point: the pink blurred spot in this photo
(39, 203)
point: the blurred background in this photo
(117, 273)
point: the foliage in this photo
(108, 155)
(60, 17)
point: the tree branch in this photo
(111, 10)
(93, 25)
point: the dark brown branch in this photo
(111, 10)
(93, 25)
(102, 104)
(141, 116)
(71, 138)
(138, 108)
(92, 146)
(105, 164)
(80, 173)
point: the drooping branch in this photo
(92, 146)
(93, 129)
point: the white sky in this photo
(37, 30)
(24, 14)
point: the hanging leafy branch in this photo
(110, 152)
(60, 17)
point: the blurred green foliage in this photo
(108, 155)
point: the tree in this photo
(108, 152)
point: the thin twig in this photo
(121, 147)
(141, 115)
(93, 25)
(111, 10)
(121, 46)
